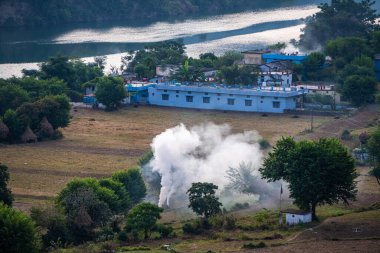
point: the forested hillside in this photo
(52, 12)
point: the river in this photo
(25, 47)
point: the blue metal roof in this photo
(284, 57)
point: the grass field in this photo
(98, 143)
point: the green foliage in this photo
(56, 109)
(143, 218)
(74, 72)
(5, 193)
(118, 188)
(109, 91)
(18, 232)
(104, 194)
(318, 172)
(133, 183)
(164, 231)
(15, 125)
(254, 246)
(313, 67)
(347, 48)
(203, 200)
(374, 149)
(359, 89)
(223, 221)
(341, 18)
(11, 97)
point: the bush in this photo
(133, 183)
(264, 144)
(254, 246)
(5, 193)
(346, 135)
(223, 221)
(164, 231)
(18, 232)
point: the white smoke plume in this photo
(203, 153)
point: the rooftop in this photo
(295, 211)
(234, 89)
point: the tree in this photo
(203, 200)
(109, 91)
(342, 18)
(318, 172)
(143, 217)
(18, 232)
(5, 193)
(359, 89)
(133, 182)
(313, 66)
(56, 109)
(11, 97)
(374, 150)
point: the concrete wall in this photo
(293, 219)
(222, 99)
(252, 58)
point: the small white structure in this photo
(294, 217)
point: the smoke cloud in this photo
(203, 153)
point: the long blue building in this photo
(267, 99)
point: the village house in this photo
(321, 88)
(276, 74)
(294, 217)
(220, 97)
(258, 57)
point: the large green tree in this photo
(133, 183)
(359, 89)
(18, 232)
(143, 218)
(341, 18)
(5, 193)
(318, 172)
(109, 91)
(203, 200)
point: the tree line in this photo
(51, 12)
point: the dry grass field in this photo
(98, 143)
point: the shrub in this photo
(264, 144)
(239, 206)
(5, 193)
(164, 231)
(223, 221)
(133, 183)
(254, 246)
(17, 232)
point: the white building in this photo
(294, 217)
(269, 99)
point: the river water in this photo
(25, 47)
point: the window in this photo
(218, 94)
(176, 96)
(165, 96)
(248, 96)
(177, 91)
(189, 99)
(153, 94)
(262, 97)
(248, 102)
(231, 95)
(165, 90)
(189, 92)
(206, 93)
(276, 104)
(276, 98)
(206, 100)
(230, 101)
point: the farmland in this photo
(98, 143)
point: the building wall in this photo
(221, 99)
(252, 58)
(293, 219)
(267, 77)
